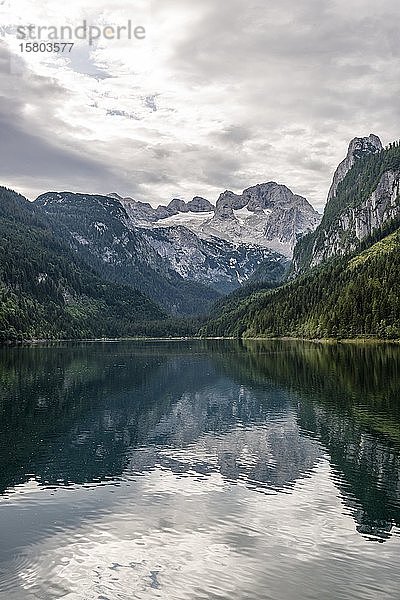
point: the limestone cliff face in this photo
(267, 214)
(353, 214)
(358, 148)
(355, 224)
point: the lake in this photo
(200, 470)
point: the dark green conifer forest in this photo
(48, 291)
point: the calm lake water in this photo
(200, 470)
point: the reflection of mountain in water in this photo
(229, 429)
(90, 413)
(348, 399)
(256, 413)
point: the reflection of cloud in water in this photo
(162, 456)
(178, 537)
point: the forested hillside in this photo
(47, 292)
(70, 265)
(358, 295)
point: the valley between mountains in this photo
(259, 263)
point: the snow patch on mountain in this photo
(268, 216)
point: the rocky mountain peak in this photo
(199, 204)
(358, 147)
(365, 145)
(267, 214)
(272, 195)
(358, 208)
(177, 205)
(121, 198)
(228, 202)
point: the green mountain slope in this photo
(46, 291)
(357, 295)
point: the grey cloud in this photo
(300, 160)
(35, 159)
(233, 134)
(258, 32)
(288, 84)
(38, 157)
(30, 155)
(329, 66)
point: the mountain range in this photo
(262, 262)
(345, 276)
(185, 255)
(48, 291)
(267, 216)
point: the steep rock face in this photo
(273, 196)
(224, 245)
(358, 148)
(355, 224)
(219, 264)
(198, 205)
(229, 201)
(364, 200)
(143, 214)
(176, 206)
(269, 215)
(99, 230)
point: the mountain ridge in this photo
(48, 292)
(346, 290)
(98, 228)
(267, 215)
(185, 254)
(365, 198)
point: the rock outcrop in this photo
(267, 214)
(367, 200)
(358, 148)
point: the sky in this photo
(217, 96)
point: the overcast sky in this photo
(218, 96)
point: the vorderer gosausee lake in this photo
(200, 469)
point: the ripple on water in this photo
(143, 472)
(182, 538)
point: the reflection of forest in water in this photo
(254, 411)
(349, 399)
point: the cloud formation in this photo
(212, 99)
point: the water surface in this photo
(200, 470)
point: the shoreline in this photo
(325, 341)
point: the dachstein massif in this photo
(260, 263)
